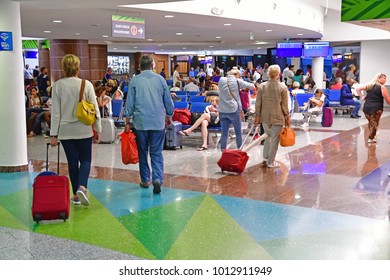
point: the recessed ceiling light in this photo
(135, 47)
(105, 36)
(260, 43)
(169, 16)
(159, 45)
(179, 34)
(268, 30)
(57, 21)
(77, 34)
(300, 34)
(150, 39)
(47, 31)
(259, 48)
(115, 48)
(211, 46)
(227, 24)
(184, 48)
(218, 37)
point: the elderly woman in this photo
(230, 105)
(272, 111)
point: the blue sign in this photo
(6, 41)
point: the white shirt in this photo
(210, 71)
(176, 77)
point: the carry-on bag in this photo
(51, 198)
(236, 160)
(173, 138)
(108, 134)
(327, 117)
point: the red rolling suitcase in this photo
(51, 198)
(235, 160)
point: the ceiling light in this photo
(184, 48)
(105, 36)
(135, 47)
(259, 48)
(227, 24)
(268, 30)
(211, 46)
(47, 31)
(179, 34)
(159, 45)
(150, 39)
(218, 37)
(57, 21)
(77, 34)
(115, 48)
(260, 43)
(169, 16)
(300, 34)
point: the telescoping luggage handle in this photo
(58, 157)
(252, 142)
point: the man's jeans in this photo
(151, 142)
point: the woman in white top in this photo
(76, 137)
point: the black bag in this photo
(195, 116)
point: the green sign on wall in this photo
(357, 10)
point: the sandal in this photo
(183, 133)
(201, 148)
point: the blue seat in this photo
(334, 97)
(190, 93)
(302, 98)
(198, 107)
(181, 92)
(183, 97)
(181, 104)
(196, 98)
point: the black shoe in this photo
(354, 117)
(156, 187)
(144, 185)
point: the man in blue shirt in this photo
(150, 106)
(347, 98)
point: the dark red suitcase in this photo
(51, 197)
(327, 117)
(233, 161)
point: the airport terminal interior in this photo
(329, 200)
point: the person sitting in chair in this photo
(209, 117)
(313, 106)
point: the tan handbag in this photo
(287, 137)
(85, 111)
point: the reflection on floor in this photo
(329, 200)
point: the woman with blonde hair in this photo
(373, 105)
(75, 136)
(271, 110)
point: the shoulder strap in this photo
(227, 82)
(81, 90)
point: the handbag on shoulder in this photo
(85, 111)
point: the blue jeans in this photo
(230, 118)
(78, 151)
(356, 109)
(151, 142)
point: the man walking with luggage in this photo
(150, 106)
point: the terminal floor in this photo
(329, 200)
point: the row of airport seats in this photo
(333, 96)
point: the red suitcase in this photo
(51, 198)
(235, 160)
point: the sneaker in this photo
(83, 196)
(75, 200)
(156, 187)
(371, 141)
(305, 124)
(273, 165)
(144, 185)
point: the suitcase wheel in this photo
(63, 216)
(37, 217)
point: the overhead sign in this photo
(6, 41)
(128, 27)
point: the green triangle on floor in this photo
(97, 226)
(214, 234)
(157, 228)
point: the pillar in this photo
(13, 141)
(97, 62)
(318, 70)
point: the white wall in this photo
(374, 58)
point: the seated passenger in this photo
(173, 90)
(213, 91)
(43, 117)
(347, 98)
(209, 117)
(103, 101)
(191, 86)
(313, 106)
(338, 83)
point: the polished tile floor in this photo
(329, 200)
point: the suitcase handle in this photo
(58, 157)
